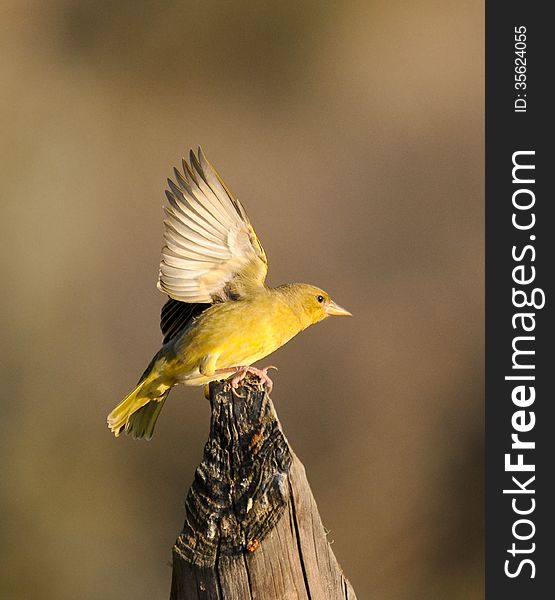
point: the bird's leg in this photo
(241, 371)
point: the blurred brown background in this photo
(353, 133)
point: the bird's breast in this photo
(239, 333)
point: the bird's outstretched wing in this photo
(211, 252)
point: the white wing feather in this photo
(211, 251)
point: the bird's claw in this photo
(262, 374)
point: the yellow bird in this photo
(220, 317)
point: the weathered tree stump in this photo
(252, 528)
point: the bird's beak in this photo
(334, 309)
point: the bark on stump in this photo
(252, 529)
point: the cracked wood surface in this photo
(252, 529)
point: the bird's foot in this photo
(239, 374)
(262, 374)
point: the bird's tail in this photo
(138, 412)
(141, 423)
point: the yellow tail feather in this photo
(142, 422)
(121, 418)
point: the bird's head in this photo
(314, 303)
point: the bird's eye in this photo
(320, 299)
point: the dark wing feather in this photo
(176, 316)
